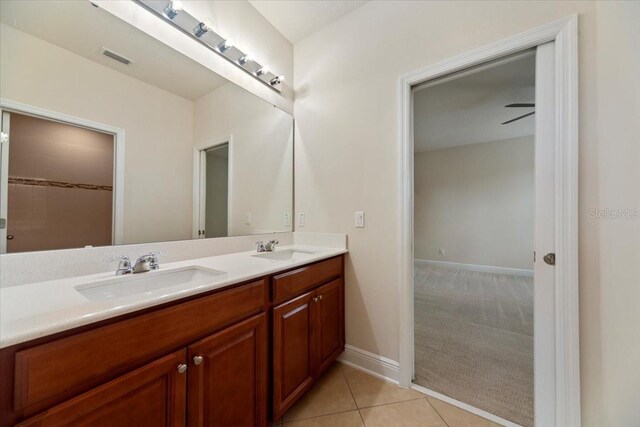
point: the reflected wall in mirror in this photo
(103, 152)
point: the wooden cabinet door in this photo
(154, 395)
(293, 347)
(228, 376)
(328, 316)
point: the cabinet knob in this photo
(315, 299)
(182, 368)
(197, 360)
(320, 297)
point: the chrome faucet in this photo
(271, 245)
(268, 247)
(144, 263)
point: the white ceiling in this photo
(297, 19)
(470, 109)
(84, 29)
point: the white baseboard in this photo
(465, 406)
(370, 363)
(475, 267)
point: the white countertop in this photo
(39, 309)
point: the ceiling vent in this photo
(111, 54)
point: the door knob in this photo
(9, 236)
(182, 368)
(550, 258)
(197, 360)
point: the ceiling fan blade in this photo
(518, 118)
(521, 105)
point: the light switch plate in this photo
(287, 219)
(359, 219)
(300, 222)
(247, 218)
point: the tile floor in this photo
(347, 397)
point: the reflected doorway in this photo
(213, 192)
(57, 185)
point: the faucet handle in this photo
(260, 246)
(116, 258)
(124, 266)
(153, 259)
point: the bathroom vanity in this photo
(237, 355)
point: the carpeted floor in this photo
(474, 339)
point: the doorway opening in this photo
(474, 152)
(57, 185)
(556, 364)
(212, 195)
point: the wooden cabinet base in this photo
(224, 358)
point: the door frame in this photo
(117, 229)
(564, 32)
(199, 184)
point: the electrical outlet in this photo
(441, 251)
(359, 219)
(300, 222)
(287, 219)
(247, 218)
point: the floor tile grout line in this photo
(434, 408)
(318, 416)
(390, 403)
(352, 395)
(344, 377)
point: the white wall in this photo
(346, 107)
(476, 202)
(610, 290)
(260, 158)
(158, 127)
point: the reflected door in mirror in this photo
(58, 185)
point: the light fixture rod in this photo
(172, 13)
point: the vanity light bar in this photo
(173, 13)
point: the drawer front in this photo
(70, 365)
(301, 280)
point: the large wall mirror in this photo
(116, 138)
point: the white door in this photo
(544, 239)
(4, 180)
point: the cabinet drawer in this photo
(64, 367)
(296, 282)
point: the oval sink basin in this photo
(283, 255)
(147, 283)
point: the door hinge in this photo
(4, 138)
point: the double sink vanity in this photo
(228, 340)
(127, 133)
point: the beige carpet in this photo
(474, 339)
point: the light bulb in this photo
(263, 70)
(276, 80)
(200, 29)
(245, 58)
(172, 9)
(225, 45)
